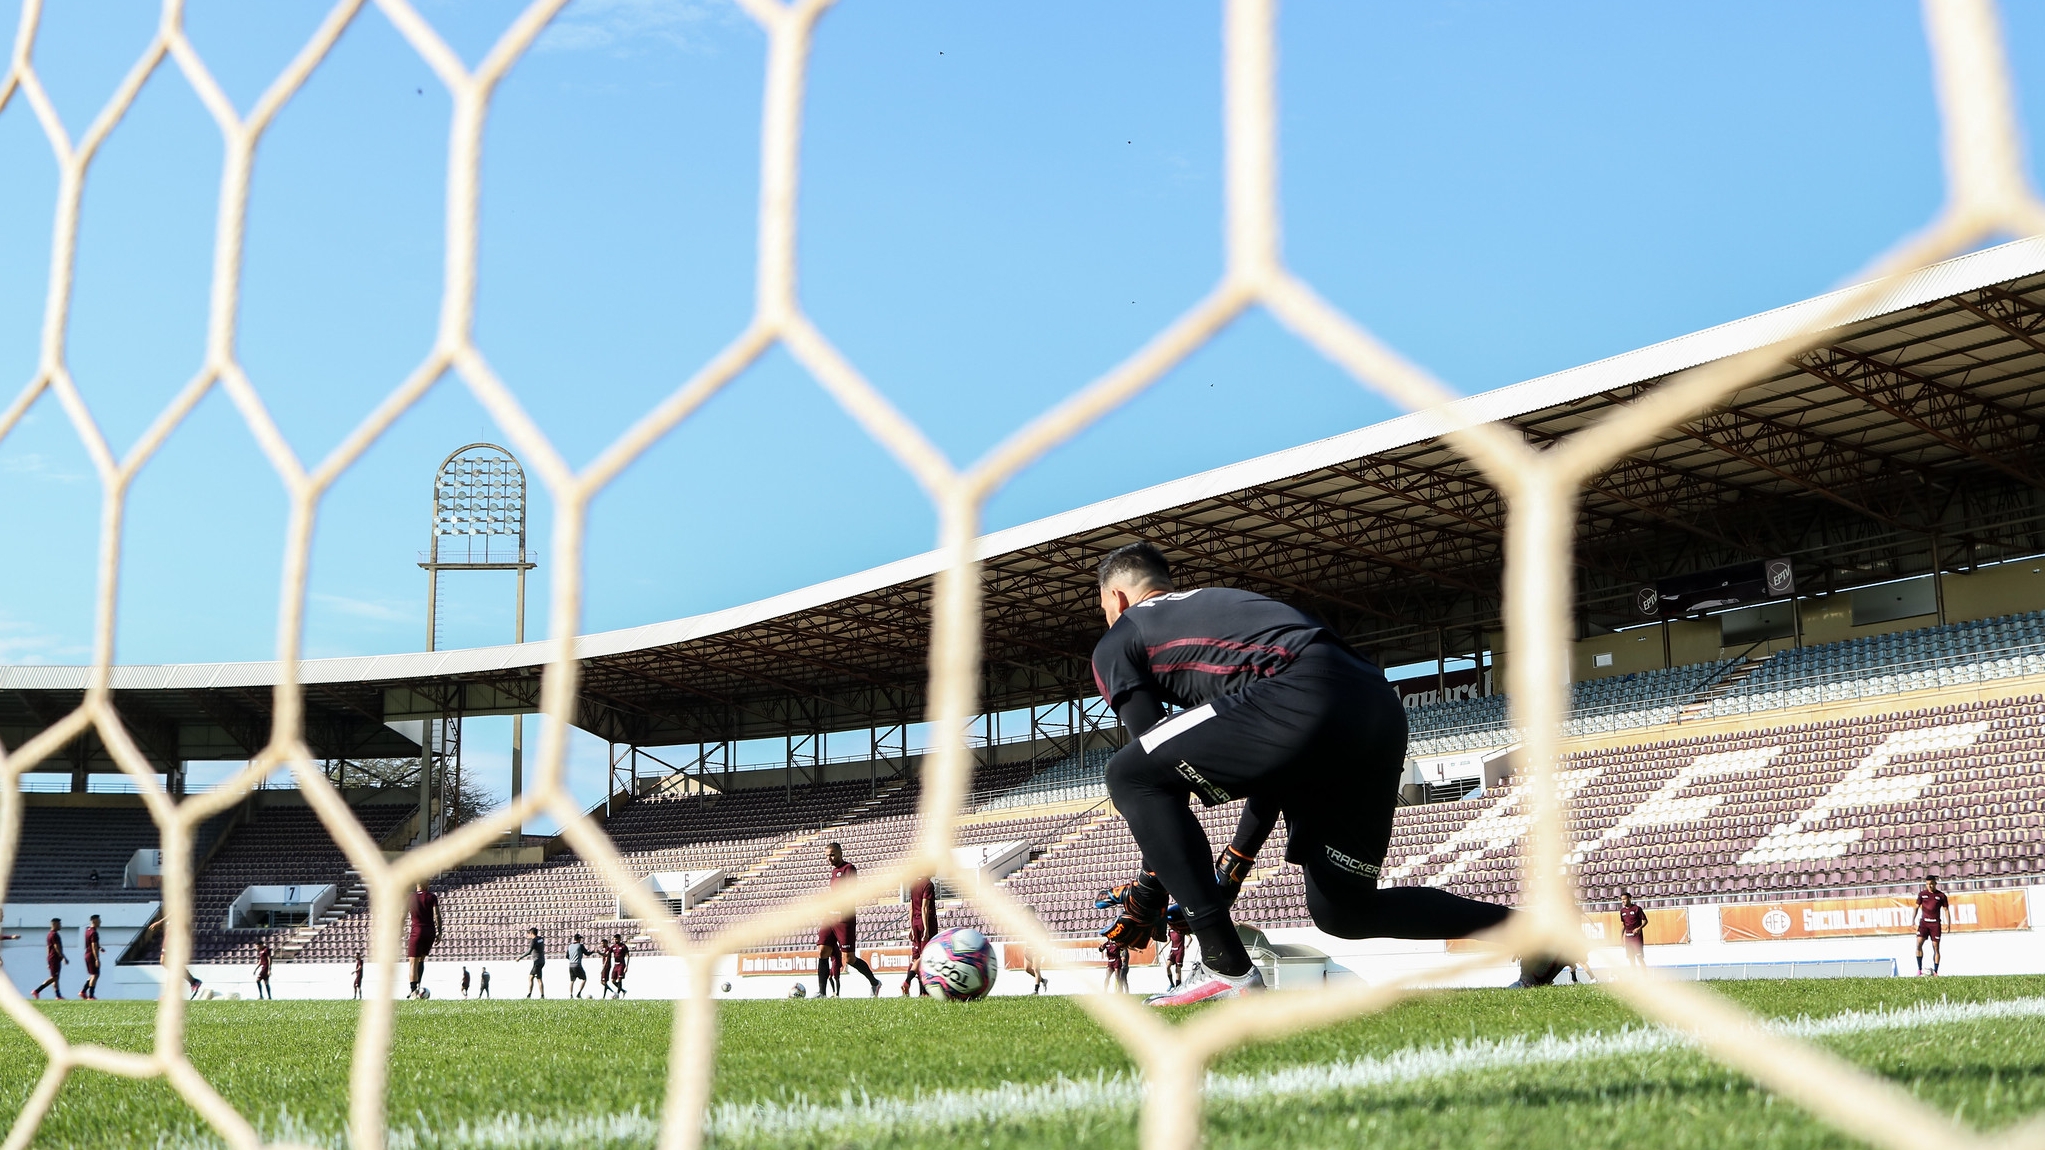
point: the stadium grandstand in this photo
(1870, 716)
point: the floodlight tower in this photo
(478, 525)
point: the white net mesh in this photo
(1987, 194)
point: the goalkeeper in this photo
(1277, 710)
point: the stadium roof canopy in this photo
(1909, 439)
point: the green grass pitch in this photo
(1561, 1067)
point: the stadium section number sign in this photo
(1852, 917)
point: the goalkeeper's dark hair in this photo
(1138, 563)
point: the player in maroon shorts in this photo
(425, 931)
(1633, 929)
(90, 945)
(838, 942)
(605, 950)
(1934, 912)
(1175, 954)
(53, 951)
(922, 925)
(621, 957)
(358, 974)
(1118, 964)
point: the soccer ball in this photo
(959, 964)
(425, 993)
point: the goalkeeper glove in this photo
(1230, 870)
(1143, 904)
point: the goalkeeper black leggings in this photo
(1324, 741)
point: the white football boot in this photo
(1204, 985)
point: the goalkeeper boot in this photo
(1231, 870)
(1143, 905)
(1204, 985)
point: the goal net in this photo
(1988, 195)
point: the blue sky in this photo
(998, 203)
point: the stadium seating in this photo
(1977, 821)
(1072, 778)
(63, 847)
(1618, 703)
(1969, 810)
(274, 845)
(1973, 652)
(768, 840)
(1977, 651)
(1968, 807)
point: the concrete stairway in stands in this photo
(851, 815)
(1078, 831)
(353, 896)
(1724, 685)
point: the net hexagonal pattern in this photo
(1987, 194)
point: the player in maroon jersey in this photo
(1118, 965)
(90, 945)
(838, 942)
(922, 925)
(358, 974)
(425, 931)
(1633, 929)
(621, 957)
(1934, 913)
(606, 950)
(53, 953)
(263, 970)
(1175, 941)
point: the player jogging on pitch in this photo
(425, 931)
(536, 949)
(1276, 709)
(922, 926)
(1934, 914)
(837, 942)
(263, 970)
(1633, 929)
(90, 945)
(53, 954)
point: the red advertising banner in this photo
(1855, 917)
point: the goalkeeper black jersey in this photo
(1190, 647)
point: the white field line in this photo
(773, 1121)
